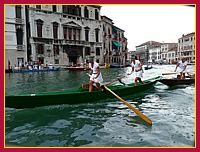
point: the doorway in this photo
(72, 60)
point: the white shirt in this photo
(94, 68)
(95, 72)
(182, 65)
(136, 65)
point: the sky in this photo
(142, 23)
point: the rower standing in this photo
(137, 68)
(181, 65)
(95, 73)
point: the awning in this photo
(116, 44)
(116, 29)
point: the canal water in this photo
(104, 123)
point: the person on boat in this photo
(95, 73)
(137, 68)
(182, 65)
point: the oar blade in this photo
(145, 118)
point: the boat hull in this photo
(174, 82)
(74, 97)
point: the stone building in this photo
(15, 35)
(62, 35)
(154, 54)
(143, 50)
(65, 34)
(186, 47)
(169, 51)
(114, 43)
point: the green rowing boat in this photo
(75, 96)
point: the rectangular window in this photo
(87, 51)
(86, 12)
(39, 30)
(38, 6)
(56, 61)
(56, 49)
(18, 11)
(70, 34)
(79, 35)
(97, 51)
(74, 34)
(40, 49)
(86, 35)
(97, 35)
(65, 32)
(54, 8)
(19, 34)
(55, 32)
(96, 14)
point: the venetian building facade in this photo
(154, 54)
(65, 34)
(143, 50)
(15, 35)
(186, 47)
(114, 42)
(169, 51)
(107, 39)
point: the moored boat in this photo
(34, 70)
(78, 68)
(75, 96)
(148, 67)
(175, 82)
(116, 65)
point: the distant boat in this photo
(148, 67)
(78, 68)
(116, 65)
(107, 66)
(34, 70)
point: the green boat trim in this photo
(74, 96)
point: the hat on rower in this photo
(90, 58)
(132, 57)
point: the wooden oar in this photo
(168, 73)
(131, 107)
(86, 86)
(119, 79)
